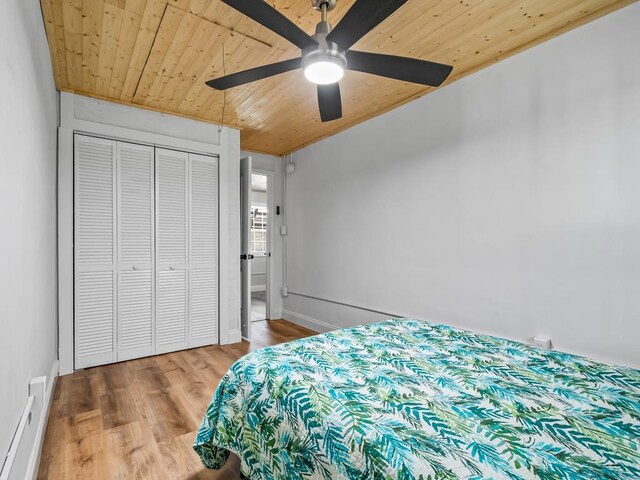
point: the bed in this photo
(407, 399)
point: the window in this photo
(259, 230)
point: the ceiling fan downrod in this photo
(324, 7)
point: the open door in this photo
(245, 249)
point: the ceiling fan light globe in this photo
(323, 72)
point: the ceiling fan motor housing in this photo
(325, 51)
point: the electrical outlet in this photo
(542, 342)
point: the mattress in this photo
(407, 399)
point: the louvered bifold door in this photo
(95, 242)
(136, 265)
(203, 250)
(171, 250)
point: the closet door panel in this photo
(135, 250)
(94, 318)
(171, 317)
(171, 168)
(95, 298)
(203, 252)
(203, 320)
(135, 332)
(204, 209)
(172, 250)
(95, 201)
(136, 179)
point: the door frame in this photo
(246, 169)
(270, 220)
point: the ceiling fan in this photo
(326, 54)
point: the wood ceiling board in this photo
(193, 64)
(129, 29)
(72, 21)
(92, 16)
(238, 49)
(111, 25)
(55, 39)
(198, 7)
(157, 54)
(169, 25)
(179, 48)
(151, 17)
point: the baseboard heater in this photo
(22, 459)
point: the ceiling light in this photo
(324, 68)
(324, 73)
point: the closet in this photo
(146, 246)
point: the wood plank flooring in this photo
(138, 419)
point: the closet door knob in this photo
(135, 267)
(172, 268)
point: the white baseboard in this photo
(26, 448)
(34, 463)
(308, 322)
(258, 288)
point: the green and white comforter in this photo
(405, 399)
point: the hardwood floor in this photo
(138, 419)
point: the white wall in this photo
(28, 120)
(506, 203)
(270, 163)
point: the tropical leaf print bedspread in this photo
(406, 399)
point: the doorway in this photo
(256, 232)
(259, 245)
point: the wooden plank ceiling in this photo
(157, 54)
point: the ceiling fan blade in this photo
(400, 68)
(265, 14)
(330, 102)
(258, 73)
(364, 16)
